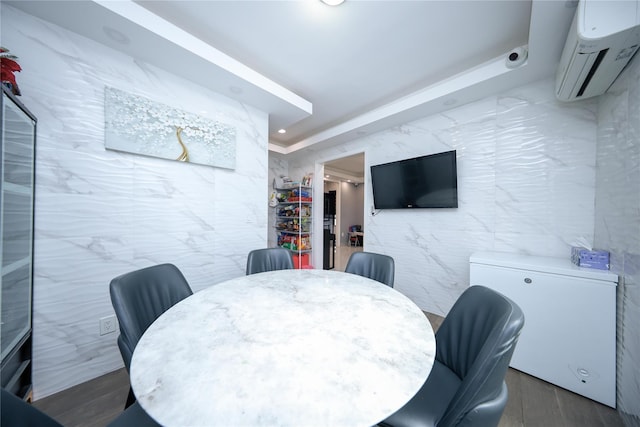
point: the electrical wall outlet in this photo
(108, 325)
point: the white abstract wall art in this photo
(141, 126)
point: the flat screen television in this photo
(422, 182)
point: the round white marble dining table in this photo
(284, 348)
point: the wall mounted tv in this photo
(422, 182)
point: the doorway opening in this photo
(343, 209)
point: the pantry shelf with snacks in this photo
(293, 222)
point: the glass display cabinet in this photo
(16, 234)
(293, 222)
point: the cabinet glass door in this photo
(16, 223)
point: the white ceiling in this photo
(349, 59)
(345, 169)
(330, 74)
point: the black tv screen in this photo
(422, 182)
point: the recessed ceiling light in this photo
(327, 176)
(282, 131)
(332, 2)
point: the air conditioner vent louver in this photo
(603, 38)
(592, 71)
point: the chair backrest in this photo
(374, 266)
(269, 259)
(140, 297)
(16, 412)
(476, 341)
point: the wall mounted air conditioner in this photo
(603, 38)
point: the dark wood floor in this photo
(532, 402)
(91, 404)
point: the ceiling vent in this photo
(603, 38)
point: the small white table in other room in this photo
(359, 236)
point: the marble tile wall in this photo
(617, 223)
(526, 184)
(101, 213)
(351, 210)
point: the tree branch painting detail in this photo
(141, 126)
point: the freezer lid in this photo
(541, 264)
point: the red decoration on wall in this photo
(8, 66)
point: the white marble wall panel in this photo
(102, 213)
(617, 224)
(545, 172)
(526, 179)
(278, 166)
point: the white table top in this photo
(286, 348)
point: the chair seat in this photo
(428, 405)
(134, 416)
(16, 412)
(474, 345)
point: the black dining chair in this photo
(474, 346)
(139, 298)
(374, 266)
(15, 412)
(269, 259)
